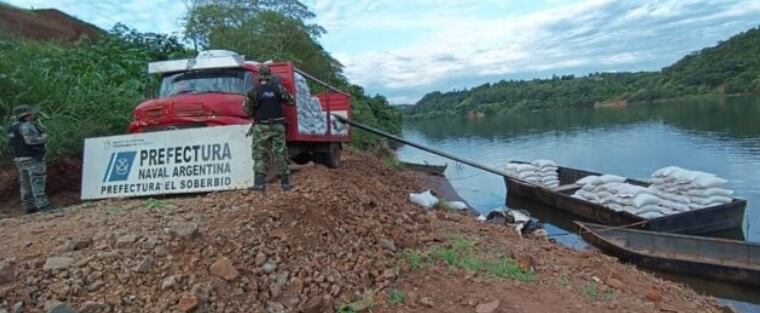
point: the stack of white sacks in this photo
(539, 172)
(673, 190)
(312, 119)
(690, 188)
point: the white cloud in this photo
(462, 45)
(403, 49)
(162, 16)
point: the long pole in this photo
(328, 86)
(425, 148)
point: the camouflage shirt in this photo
(31, 134)
(250, 105)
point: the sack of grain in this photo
(644, 199)
(675, 205)
(675, 198)
(651, 208)
(708, 181)
(544, 163)
(521, 168)
(666, 171)
(591, 180)
(608, 178)
(714, 200)
(709, 192)
(651, 215)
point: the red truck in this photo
(209, 90)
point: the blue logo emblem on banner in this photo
(119, 166)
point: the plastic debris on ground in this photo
(312, 119)
(539, 172)
(456, 205)
(673, 190)
(424, 199)
(524, 223)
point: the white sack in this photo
(666, 171)
(644, 199)
(608, 178)
(710, 192)
(591, 180)
(424, 199)
(544, 163)
(650, 215)
(708, 182)
(456, 205)
(710, 200)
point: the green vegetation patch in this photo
(593, 292)
(153, 203)
(396, 296)
(463, 254)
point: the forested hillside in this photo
(731, 67)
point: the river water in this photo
(717, 135)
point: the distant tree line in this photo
(731, 67)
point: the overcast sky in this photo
(406, 48)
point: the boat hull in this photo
(748, 275)
(705, 220)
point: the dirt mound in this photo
(45, 24)
(345, 236)
(64, 181)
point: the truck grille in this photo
(154, 113)
(189, 110)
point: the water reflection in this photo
(719, 135)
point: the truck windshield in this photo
(222, 81)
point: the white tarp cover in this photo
(167, 162)
(205, 60)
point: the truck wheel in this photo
(330, 158)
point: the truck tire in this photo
(331, 157)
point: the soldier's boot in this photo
(49, 207)
(286, 185)
(259, 182)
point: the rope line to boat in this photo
(467, 177)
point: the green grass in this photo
(83, 89)
(397, 296)
(346, 308)
(563, 281)
(592, 292)
(153, 203)
(111, 210)
(462, 253)
(415, 259)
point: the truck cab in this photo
(209, 90)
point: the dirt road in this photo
(344, 240)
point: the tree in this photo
(279, 30)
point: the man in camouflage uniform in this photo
(27, 141)
(263, 104)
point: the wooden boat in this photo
(720, 259)
(705, 220)
(427, 168)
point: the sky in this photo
(404, 49)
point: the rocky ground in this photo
(344, 240)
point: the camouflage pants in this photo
(266, 138)
(31, 182)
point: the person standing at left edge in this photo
(27, 141)
(263, 103)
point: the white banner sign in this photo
(167, 162)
